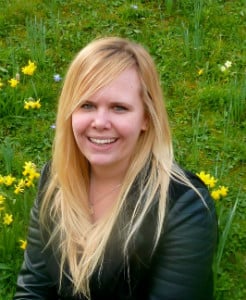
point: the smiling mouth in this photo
(102, 141)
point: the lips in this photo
(102, 141)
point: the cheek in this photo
(131, 131)
(78, 124)
(74, 126)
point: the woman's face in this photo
(107, 126)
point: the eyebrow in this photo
(121, 103)
(114, 102)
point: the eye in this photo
(120, 108)
(87, 106)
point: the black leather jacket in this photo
(179, 269)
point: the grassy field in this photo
(200, 50)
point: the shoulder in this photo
(180, 192)
(190, 208)
(177, 188)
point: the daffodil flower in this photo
(30, 172)
(200, 72)
(13, 82)
(8, 180)
(216, 194)
(7, 219)
(29, 69)
(207, 179)
(31, 104)
(223, 191)
(23, 244)
(29, 183)
(19, 188)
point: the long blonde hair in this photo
(65, 203)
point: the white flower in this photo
(57, 77)
(134, 6)
(222, 68)
(228, 64)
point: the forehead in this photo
(125, 86)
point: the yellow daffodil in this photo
(30, 104)
(33, 175)
(27, 105)
(200, 72)
(29, 167)
(216, 194)
(29, 69)
(8, 180)
(13, 82)
(7, 219)
(207, 179)
(19, 188)
(23, 244)
(223, 191)
(30, 172)
(202, 175)
(36, 104)
(29, 183)
(212, 181)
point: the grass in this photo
(190, 41)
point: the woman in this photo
(115, 217)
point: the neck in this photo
(107, 175)
(104, 189)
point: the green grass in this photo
(190, 42)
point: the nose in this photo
(101, 120)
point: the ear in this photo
(145, 123)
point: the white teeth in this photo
(102, 141)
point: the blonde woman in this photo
(115, 216)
